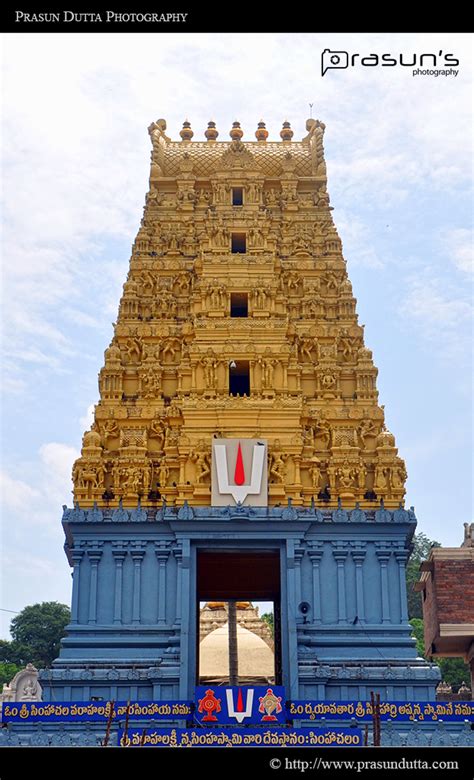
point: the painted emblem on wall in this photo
(208, 705)
(270, 704)
(239, 472)
(240, 704)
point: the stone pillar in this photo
(358, 555)
(402, 556)
(340, 552)
(291, 617)
(299, 553)
(315, 554)
(162, 554)
(137, 557)
(77, 556)
(383, 555)
(178, 554)
(188, 625)
(94, 557)
(182, 464)
(119, 557)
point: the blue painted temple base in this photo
(133, 632)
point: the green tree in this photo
(268, 617)
(7, 672)
(37, 632)
(421, 550)
(417, 625)
(453, 670)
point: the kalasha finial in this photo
(261, 133)
(211, 133)
(236, 133)
(286, 133)
(186, 133)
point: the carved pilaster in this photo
(94, 556)
(401, 558)
(383, 555)
(77, 556)
(178, 554)
(340, 552)
(315, 554)
(138, 553)
(119, 553)
(358, 552)
(162, 553)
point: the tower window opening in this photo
(239, 304)
(237, 196)
(239, 243)
(239, 377)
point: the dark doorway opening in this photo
(239, 243)
(237, 196)
(239, 377)
(239, 304)
(235, 645)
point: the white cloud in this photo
(15, 493)
(358, 241)
(86, 421)
(57, 460)
(439, 314)
(459, 246)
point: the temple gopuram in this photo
(238, 453)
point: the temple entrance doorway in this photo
(239, 617)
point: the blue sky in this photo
(76, 155)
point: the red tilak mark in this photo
(240, 704)
(239, 476)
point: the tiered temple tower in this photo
(238, 320)
(237, 329)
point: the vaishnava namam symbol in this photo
(209, 704)
(241, 489)
(270, 704)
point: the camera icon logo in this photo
(333, 59)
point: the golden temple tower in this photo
(237, 319)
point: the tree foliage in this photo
(453, 670)
(421, 550)
(7, 672)
(37, 631)
(268, 617)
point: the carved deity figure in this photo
(306, 346)
(398, 476)
(322, 430)
(163, 473)
(348, 346)
(133, 350)
(111, 431)
(367, 428)
(259, 295)
(209, 364)
(315, 473)
(380, 479)
(328, 380)
(277, 464)
(346, 476)
(202, 459)
(151, 382)
(157, 431)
